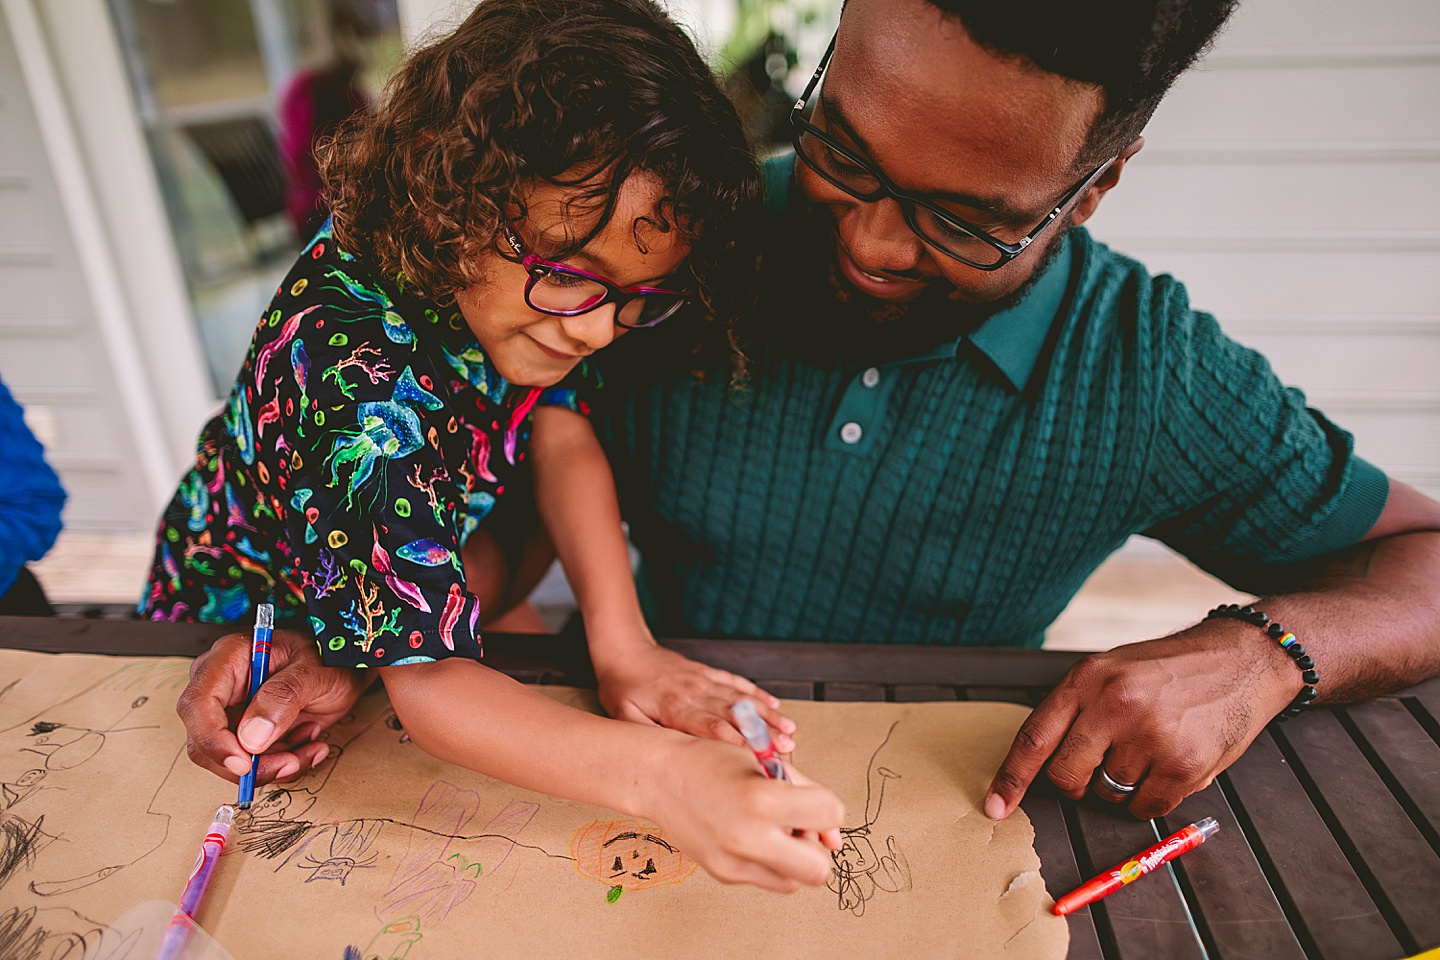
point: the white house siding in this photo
(52, 355)
(1293, 183)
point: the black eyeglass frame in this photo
(909, 201)
(538, 268)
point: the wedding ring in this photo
(1108, 784)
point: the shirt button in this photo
(851, 432)
(870, 377)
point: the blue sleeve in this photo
(30, 494)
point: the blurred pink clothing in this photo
(312, 106)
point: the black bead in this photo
(1307, 694)
(1275, 631)
(1310, 677)
(1305, 663)
(1261, 618)
(1296, 650)
(1247, 609)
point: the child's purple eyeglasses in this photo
(563, 291)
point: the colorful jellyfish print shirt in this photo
(364, 441)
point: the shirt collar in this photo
(1013, 338)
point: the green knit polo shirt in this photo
(962, 496)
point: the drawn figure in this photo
(20, 788)
(861, 869)
(424, 883)
(64, 746)
(272, 825)
(627, 855)
(67, 735)
(349, 849)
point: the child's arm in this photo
(710, 798)
(639, 680)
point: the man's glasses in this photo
(941, 229)
(563, 291)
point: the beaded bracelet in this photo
(1287, 642)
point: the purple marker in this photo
(757, 738)
(178, 934)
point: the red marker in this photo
(757, 738)
(1133, 869)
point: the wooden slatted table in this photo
(1329, 847)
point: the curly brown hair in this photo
(579, 93)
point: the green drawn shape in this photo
(359, 566)
(319, 418)
(235, 573)
(402, 507)
(339, 340)
(274, 318)
(336, 643)
(614, 893)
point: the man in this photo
(958, 405)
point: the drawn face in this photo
(272, 807)
(856, 854)
(29, 778)
(628, 855)
(336, 868)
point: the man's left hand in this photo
(1165, 715)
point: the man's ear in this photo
(1088, 204)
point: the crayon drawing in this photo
(627, 855)
(383, 852)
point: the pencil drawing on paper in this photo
(861, 869)
(51, 748)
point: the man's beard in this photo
(823, 318)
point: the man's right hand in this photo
(301, 698)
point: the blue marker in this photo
(259, 671)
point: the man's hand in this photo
(1168, 715)
(650, 684)
(301, 698)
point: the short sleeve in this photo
(577, 391)
(373, 512)
(1243, 476)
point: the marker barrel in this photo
(259, 670)
(178, 934)
(757, 738)
(1136, 867)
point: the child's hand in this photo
(716, 805)
(650, 684)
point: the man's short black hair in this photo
(1132, 49)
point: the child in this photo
(554, 174)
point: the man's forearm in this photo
(1371, 618)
